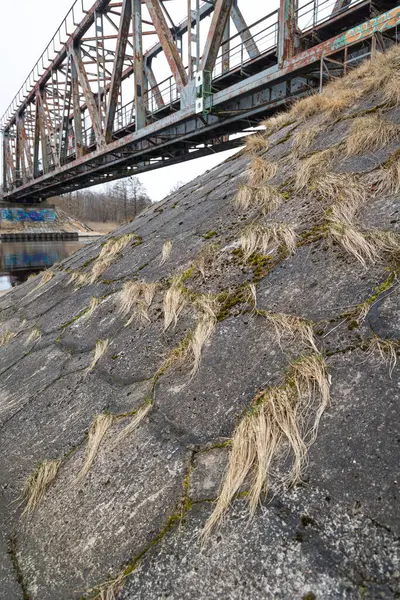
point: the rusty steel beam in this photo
(167, 42)
(115, 84)
(140, 109)
(173, 128)
(287, 30)
(154, 85)
(215, 35)
(89, 96)
(244, 32)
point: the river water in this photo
(18, 260)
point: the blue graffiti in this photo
(22, 215)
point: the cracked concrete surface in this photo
(144, 501)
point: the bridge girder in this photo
(70, 127)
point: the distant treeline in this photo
(117, 203)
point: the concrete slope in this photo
(302, 268)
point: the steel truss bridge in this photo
(93, 108)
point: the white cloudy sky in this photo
(26, 27)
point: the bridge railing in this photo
(315, 12)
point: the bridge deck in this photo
(70, 127)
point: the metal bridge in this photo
(97, 106)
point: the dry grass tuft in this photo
(136, 298)
(100, 349)
(208, 308)
(47, 276)
(278, 420)
(6, 338)
(309, 374)
(38, 483)
(110, 590)
(79, 278)
(101, 424)
(134, 423)
(302, 140)
(94, 303)
(370, 133)
(108, 254)
(35, 335)
(387, 178)
(265, 197)
(294, 327)
(205, 258)
(174, 302)
(310, 169)
(166, 251)
(260, 238)
(277, 122)
(256, 143)
(366, 247)
(261, 171)
(334, 99)
(387, 350)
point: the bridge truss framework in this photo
(92, 110)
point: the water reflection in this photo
(18, 260)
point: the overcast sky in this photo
(27, 26)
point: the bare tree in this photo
(117, 202)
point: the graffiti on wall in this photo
(29, 214)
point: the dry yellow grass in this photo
(263, 239)
(100, 349)
(208, 308)
(294, 328)
(134, 423)
(101, 424)
(109, 590)
(387, 178)
(35, 335)
(166, 252)
(136, 298)
(310, 169)
(278, 419)
(370, 133)
(276, 122)
(256, 143)
(265, 197)
(80, 278)
(94, 303)
(108, 254)
(333, 100)
(387, 351)
(261, 171)
(38, 483)
(303, 139)
(309, 375)
(47, 276)
(6, 337)
(367, 247)
(174, 302)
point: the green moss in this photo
(309, 596)
(76, 318)
(228, 300)
(209, 235)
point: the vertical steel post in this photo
(287, 30)
(226, 47)
(5, 143)
(77, 111)
(140, 109)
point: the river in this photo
(18, 260)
